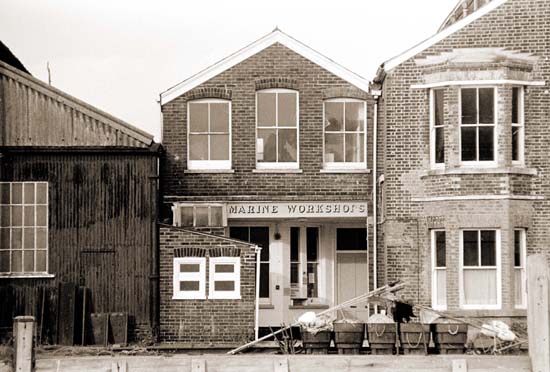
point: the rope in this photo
(453, 333)
(376, 330)
(419, 339)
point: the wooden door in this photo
(352, 281)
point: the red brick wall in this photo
(202, 323)
(280, 64)
(518, 25)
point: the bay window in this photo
(517, 125)
(344, 133)
(477, 125)
(480, 269)
(209, 134)
(277, 139)
(520, 257)
(439, 270)
(437, 128)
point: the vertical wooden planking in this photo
(538, 312)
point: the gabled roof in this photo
(8, 57)
(277, 36)
(396, 61)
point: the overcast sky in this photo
(120, 55)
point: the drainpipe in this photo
(376, 95)
(257, 302)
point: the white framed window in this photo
(209, 134)
(480, 274)
(225, 278)
(439, 269)
(189, 278)
(520, 258)
(277, 133)
(304, 262)
(478, 108)
(23, 228)
(344, 133)
(518, 127)
(437, 128)
(199, 215)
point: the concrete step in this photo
(281, 363)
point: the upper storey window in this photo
(517, 125)
(437, 128)
(477, 125)
(277, 143)
(344, 134)
(209, 134)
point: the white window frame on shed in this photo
(199, 276)
(234, 276)
(345, 164)
(208, 164)
(497, 268)
(436, 270)
(278, 165)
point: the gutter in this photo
(257, 301)
(376, 95)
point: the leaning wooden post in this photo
(23, 332)
(538, 312)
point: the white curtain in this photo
(480, 286)
(440, 278)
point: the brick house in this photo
(464, 184)
(268, 146)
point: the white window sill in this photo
(26, 276)
(343, 170)
(209, 171)
(481, 307)
(472, 170)
(222, 297)
(276, 170)
(188, 298)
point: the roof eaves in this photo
(405, 56)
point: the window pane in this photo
(189, 286)
(260, 236)
(515, 105)
(439, 145)
(354, 239)
(287, 145)
(515, 143)
(28, 263)
(354, 147)
(41, 257)
(468, 143)
(266, 109)
(517, 248)
(470, 248)
(4, 193)
(334, 147)
(225, 268)
(29, 215)
(264, 280)
(216, 216)
(224, 285)
(4, 238)
(312, 280)
(17, 238)
(486, 143)
(312, 243)
(41, 193)
(238, 232)
(17, 261)
(294, 272)
(486, 105)
(198, 117)
(334, 116)
(41, 215)
(28, 193)
(294, 244)
(186, 216)
(28, 235)
(438, 106)
(190, 268)
(219, 117)
(16, 216)
(219, 147)
(267, 145)
(5, 216)
(355, 116)
(198, 147)
(201, 216)
(469, 106)
(4, 261)
(41, 238)
(441, 287)
(480, 287)
(440, 251)
(488, 248)
(287, 109)
(17, 193)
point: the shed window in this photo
(23, 227)
(225, 278)
(209, 134)
(477, 129)
(277, 144)
(189, 278)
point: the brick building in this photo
(464, 191)
(268, 146)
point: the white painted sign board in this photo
(297, 210)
